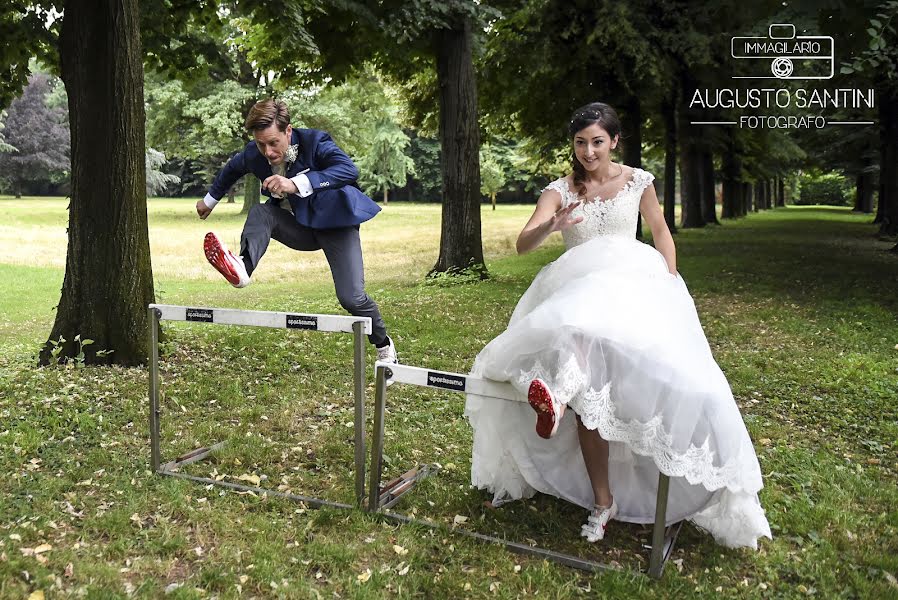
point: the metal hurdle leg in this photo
(358, 376)
(355, 325)
(381, 498)
(377, 438)
(154, 315)
(663, 538)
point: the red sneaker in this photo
(225, 262)
(547, 408)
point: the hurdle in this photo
(358, 326)
(382, 497)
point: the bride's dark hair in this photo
(583, 117)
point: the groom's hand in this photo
(278, 184)
(202, 210)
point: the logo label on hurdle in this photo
(449, 382)
(203, 315)
(302, 322)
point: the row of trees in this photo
(464, 67)
(193, 128)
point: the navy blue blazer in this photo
(335, 201)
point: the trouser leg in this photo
(267, 221)
(343, 250)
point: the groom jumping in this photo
(311, 205)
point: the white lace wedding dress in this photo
(617, 338)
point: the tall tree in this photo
(492, 177)
(386, 165)
(108, 281)
(412, 39)
(38, 135)
(881, 56)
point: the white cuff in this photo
(209, 201)
(303, 185)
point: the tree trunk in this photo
(231, 193)
(108, 279)
(690, 175)
(631, 124)
(670, 164)
(386, 195)
(493, 200)
(858, 191)
(708, 194)
(888, 174)
(780, 191)
(461, 246)
(866, 192)
(252, 192)
(731, 203)
(877, 219)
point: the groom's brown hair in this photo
(268, 111)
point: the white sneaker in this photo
(594, 528)
(224, 261)
(387, 354)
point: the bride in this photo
(607, 345)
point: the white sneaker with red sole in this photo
(225, 262)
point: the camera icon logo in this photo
(784, 55)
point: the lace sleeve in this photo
(560, 186)
(641, 180)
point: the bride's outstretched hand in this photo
(562, 220)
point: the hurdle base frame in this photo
(358, 326)
(382, 497)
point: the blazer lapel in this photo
(299, 164)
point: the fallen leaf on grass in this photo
(459, 519)
(69, 571)
(36, 595)
(254, 479)
(363, 577)
(400, 550)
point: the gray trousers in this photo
(341, 246)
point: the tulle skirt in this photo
(617, 338)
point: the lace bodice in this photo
(613, 216)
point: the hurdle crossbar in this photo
(358, 326)
(382, 497)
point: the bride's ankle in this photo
(604, 501)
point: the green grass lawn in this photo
(799, 305)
